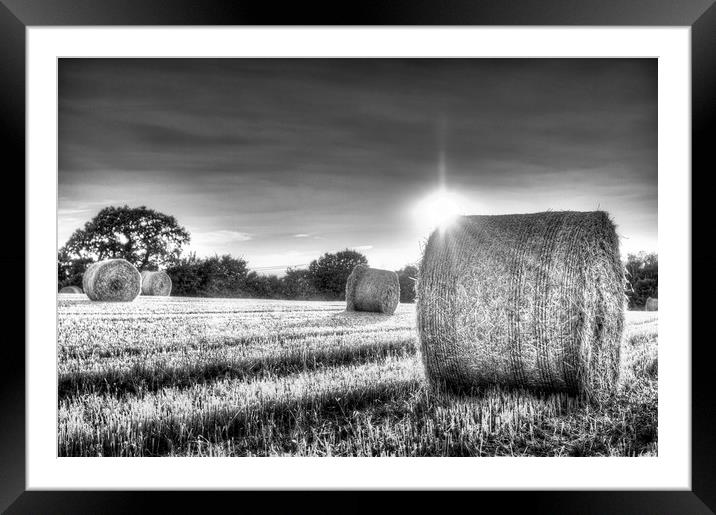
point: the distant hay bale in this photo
(156, 283)
(372, 289)
(652, 304)
(534, 301)
(71, 289)
(112, 280)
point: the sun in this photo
(438, 210)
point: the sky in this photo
(282, 160)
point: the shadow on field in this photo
(191, 369)
(254, 424)
(346, 413)
(351, 320)
(220, 341)
(399, 417)
(362, 317)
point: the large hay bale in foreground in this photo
(372, 289)
(71, 289)
(652, 304)
(534, 301)
(112, 280)
(156, 283)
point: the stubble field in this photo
(234, 377)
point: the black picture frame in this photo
(17, 15)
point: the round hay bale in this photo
(372, 289)
(156, 283)
(71, 289)
(112, 280)
(652, 304)
(530, 301)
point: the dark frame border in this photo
(17, 15)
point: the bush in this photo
(406, 278)
(297, 285)
(69, 270)
(227, 276)
(216, 276)
(643, 276)
(263, 286)
(330, 272)
(186, 277)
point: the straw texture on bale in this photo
(372, 289)
(652, 304)
(156, 283)
(533, 301)
(71, 289)
(112, 280)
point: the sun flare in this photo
(439, 209)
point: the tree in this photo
(144, 237)
(186, 276)
(330, 272)
(406, 278)
(643, 276)
(297, 284)
(216, 276)
(263, 286)
(70, 271)
(223, 276)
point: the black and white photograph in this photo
(357, 257)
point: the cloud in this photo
(321, 152)
(218, 242)
(220, 237)
(70, 212)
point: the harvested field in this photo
(224, 377)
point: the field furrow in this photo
(185, 366)
(232, 377)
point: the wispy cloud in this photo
(221, 236)
(222, 241)
(70, 212)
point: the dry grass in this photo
(533, 301)
(214, 377)
(372, 289)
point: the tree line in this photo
(642, 272)
(229, 276)
(151, 240)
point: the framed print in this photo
(417, 249)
